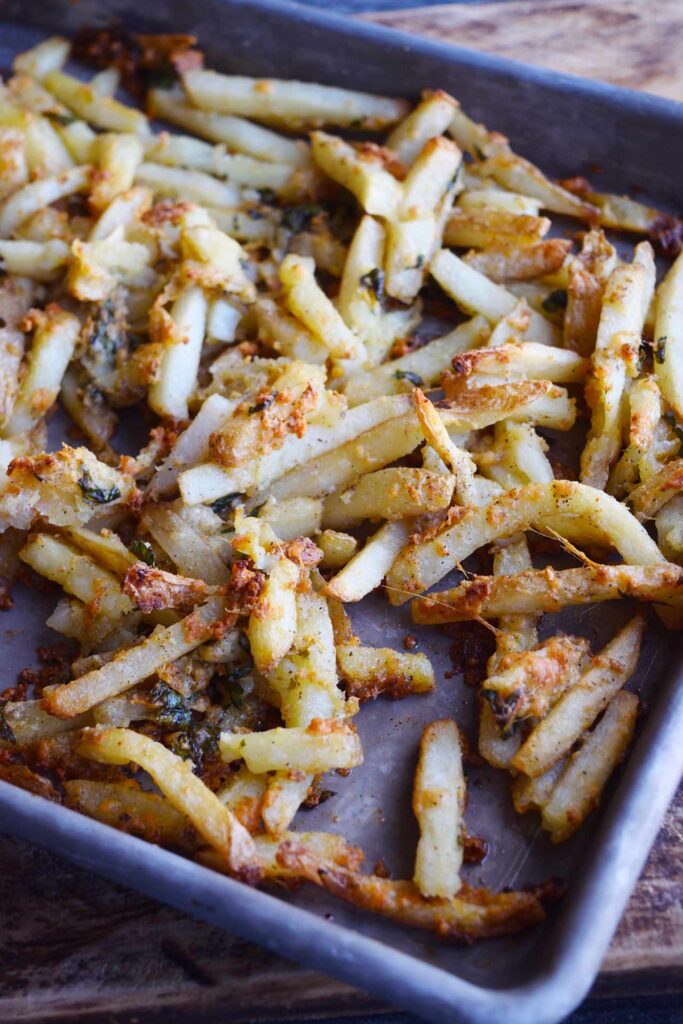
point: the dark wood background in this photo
(74, 947)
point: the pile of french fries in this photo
(263, 290)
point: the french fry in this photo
(527, 360)
(531, 794)
(547, 590)
(320, 747)
(362, 173)
(370, 671)
(513, 171)
(235, 132)
(101, 111)
(568, 506)
(532, 261)
(486, 228)
(668, 338)
(430, 118)
(421, 368)
(516, 633)
(645, 412)
(35, 196)
(361, 294)
(580, 705)
(475, 913)
(183, 789)
(474, 293)
(395, 436)
(338, 548)
(438, 804)
(78, 574)
(180, 358)
(367, 569)
(669, 533)
(627, 297)
(29, 723)
(526, 685)
(195, 186)
(295, 104)
(118, 157)
(186, 547)
(41, 261)
(131, 666)
(272, 623)
(647, 499)
(578, 789)
(132, 810)
(388, 494)
(97, 268)
(436, 435)
(48, 55)
(307, 301)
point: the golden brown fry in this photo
(547, 590)
(152, 589)
(474, 914)
(526, 685)
(522, 264)
(371, 671)
(182, 788)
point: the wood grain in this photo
(93, 952)
(633, 43)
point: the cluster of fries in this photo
(268, 299)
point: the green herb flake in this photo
(419, 263)
(98, 495)
(374, 282)
(556, 301)
(414, 378)
(298, 218)
(268, 196)
(676, 427)
(221, 506)
(143, 550)
(660, 349)
(174, 710)
(264, 404)
(64, 119)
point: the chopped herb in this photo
(174, 710)
(63, 119)
(374, 282)
(98, 495)
(298, 218)
(199, 743)
(245, 265)
(243, 641)
(325, 794)
(223, 505)
(229, 687)
(254, 213)
(660, 349)
(5, 728)
(556, 301)
(255, 511)
(268, 196)
(676, 427)
(419, 263)
(479, 153)
(162, 77)
(143, 550)
(414, 378)
(454, 180)
(265, 403)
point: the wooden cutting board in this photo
(74, 947)
(632, 43)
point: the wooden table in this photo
(74, 947)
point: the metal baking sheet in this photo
(569, 126)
